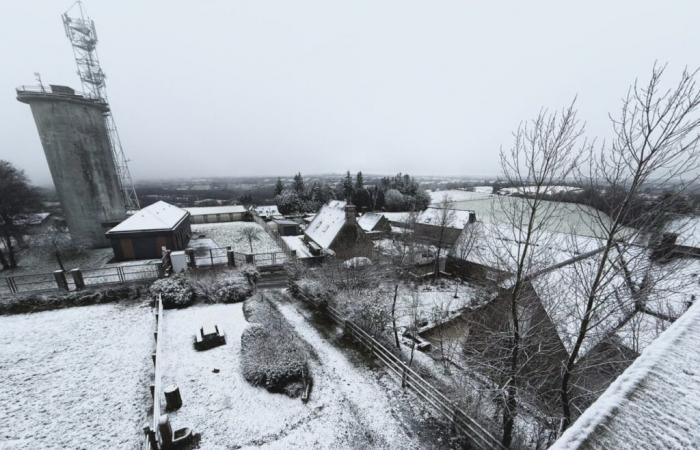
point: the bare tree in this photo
(251, 234)
(544, 153)
(445, 217)
(16, 197)
(655, 140)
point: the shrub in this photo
(250, 273)
(312, 289)
(175, 291)
(232, 289)
(272, 355)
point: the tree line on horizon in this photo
(398, 193)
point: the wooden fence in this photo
(150, 438)
(461, 422)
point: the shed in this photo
(142, 235)
(286, 227)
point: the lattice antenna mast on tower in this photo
(82, 35)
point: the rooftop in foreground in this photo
(655, 403)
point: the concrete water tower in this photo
(81, 141)
(74, 134)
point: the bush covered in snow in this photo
(272, 355)
(370, 310)
(12, 304)
(232, 289)
(250, 273)
(176, 291)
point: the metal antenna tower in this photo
(82, 35)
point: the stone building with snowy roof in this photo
(335, 230)
(144, 234)
(654, 404)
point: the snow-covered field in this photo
(75, 378)
(347, 409)
(231, 233)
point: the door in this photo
(127, 248)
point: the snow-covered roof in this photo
(455, 218)
(156, 217)
(369, 220)
(655, 403)
(498, 245)
(327, 223)
(688, 230)
(206, 210)
(297, 243)
(267, 210)
(563, 294)
(397, 217)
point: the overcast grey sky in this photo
(255, 87)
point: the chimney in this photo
(350, 213)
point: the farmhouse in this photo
(335, 230)
(216, 214)
(682, 237)
(142, 235)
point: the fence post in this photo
(161, 270)
(211, 257)
(190, 256)
(77, 279)
(230, 257)
(60, 277)
(249, 259)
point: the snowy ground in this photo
(348, 408)
(433, 301)
(76, 377)
(230, 233)
(39, 259)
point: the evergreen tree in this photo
(299, 184)
(279, 187)
(359, 182)
(348, 188)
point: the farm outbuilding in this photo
(142, 235)
(216, 214)
(286, 227)
(375, 224)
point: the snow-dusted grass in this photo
(347, 409)
(75, 378)
(231, 233)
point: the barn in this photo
(142, 235)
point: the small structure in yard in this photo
(169, 440)
(209, 337)
(144, 234)
(286, 227)
(217, 214)
(335, 230)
